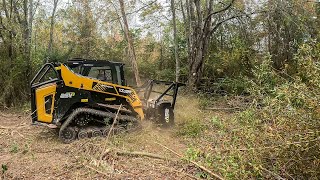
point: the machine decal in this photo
(84, 100)
(67, 95)
(110, 99)
(103, 87)
(126, 91)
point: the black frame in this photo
(86, 64)
(34, 85)
(172, 86)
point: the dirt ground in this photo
(35, 152)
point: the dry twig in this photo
(267, 147)
(223, 109)
(272, 173)
(100, 172)
(114, 122)
(6, 116)
(12, 127)
(110, 130)
(181, 172)
(140, 154)
(193, 162)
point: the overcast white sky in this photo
(134, 19)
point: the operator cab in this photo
(102, 70)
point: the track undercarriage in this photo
(86, 122)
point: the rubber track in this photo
(94, 112)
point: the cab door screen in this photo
(102, 73)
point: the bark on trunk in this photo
(196, 61)
(27, 27)
(8, 15)
(201, 27)
(52, 21)
(131, 51)
(173, 10)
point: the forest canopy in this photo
(197, 42)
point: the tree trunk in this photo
(161, 55)
(27, 27)
(131, 51)
(173, 10)
(186, 23)
(196, 62)
(55, 3)
(9, 29)
(201, 29)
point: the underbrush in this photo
(192, 128)
(274, 135)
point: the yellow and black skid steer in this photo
(82, 98)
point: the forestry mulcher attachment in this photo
(85, 98)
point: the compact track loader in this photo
(84, 98)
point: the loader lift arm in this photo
(159, 109)
(172, 86)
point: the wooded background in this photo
(197, 42)
(262, 57)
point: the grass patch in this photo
(14, 148)
(192, 128)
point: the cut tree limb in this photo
(140, 154)
(114, 122)
(216, 108)
(193, 162)
(12, 127)
(181, 172)
(272, 173)
(7, 116)
(96, 170)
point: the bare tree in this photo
(131, 51)
(200, 27)
(52, 22)
(176, 56)
(7, 30)
(26, 25)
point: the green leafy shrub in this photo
(277, 136)
(14, 148)
(191, 128)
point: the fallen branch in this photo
(68, 170)
(272, 173)
(6, 116)
(181, 172)
(114, 121)
(267, 147)
(3, 127)
(110, 130)
(214, 108)
(140, 154)
(12, 127)
(193, 162)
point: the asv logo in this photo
(124, 91)
(67, 95)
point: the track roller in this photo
(68, 134)
(83, 134)
(119, 130)
(96, 133)
(105, 131)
